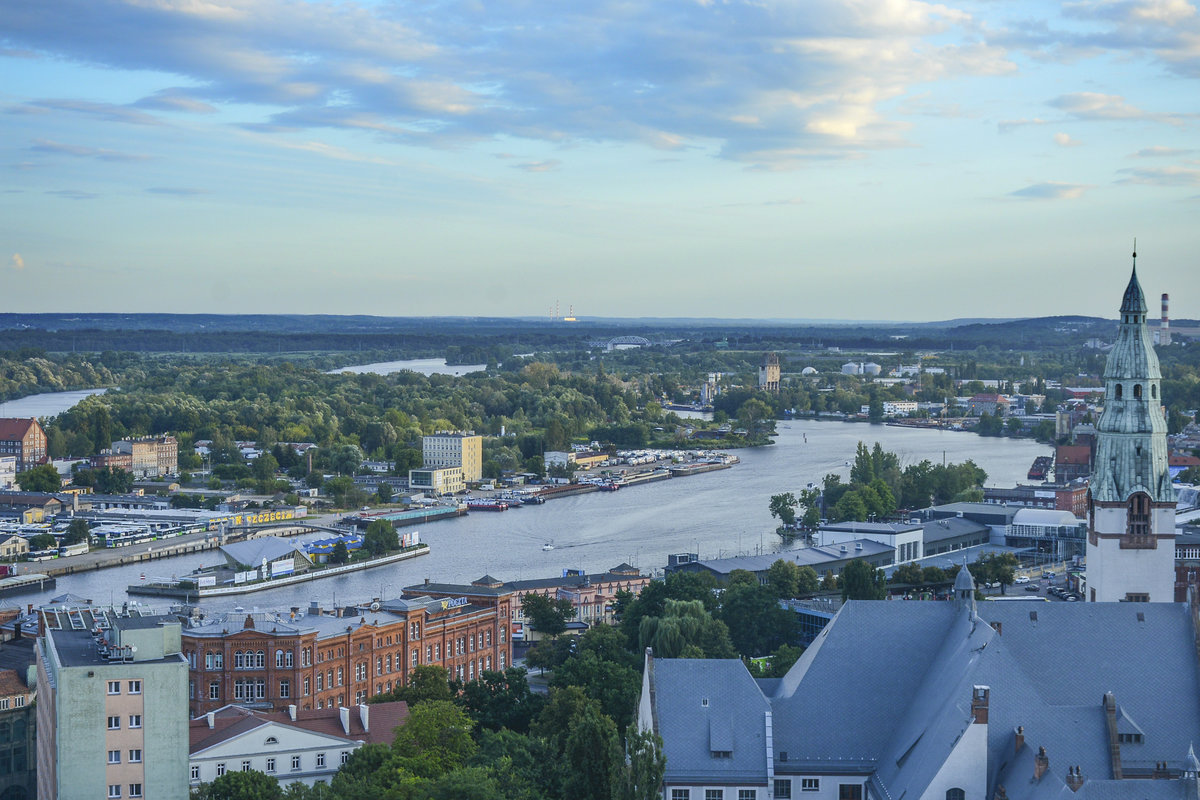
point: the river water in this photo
(425, 366)
(49, 404)
(717, 513)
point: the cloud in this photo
(1164, 176)
(759, 83)
(80, 151)
(538, 166)
(1005, 126)
(106, 111)
(1161, 152)
(175, 100)
(1051, 191)
(178, 191)
(17, 262)
(1064, 140)
(73, 194)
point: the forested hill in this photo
(473, 336)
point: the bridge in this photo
(626, 341)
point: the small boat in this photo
(533, 500)
(548, 546)
(487, 505)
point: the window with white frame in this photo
(270, 765)
(714, 794)
(114, 756)
(747, 794)
(810, 784)
(783, 789)
(114, 687)
(220, 769)
(295, 763)
(114, 790)
(246, 765)
(135, 720)
(345, 756)
(135, 756)
(681, 794)
(135, 790)
(195, 772)
(114, 723)
(320, 760)
(135, 687)
(285, 689)
(214, 690)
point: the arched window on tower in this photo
(1137, 525)
(1120, 390)
(1137, 391)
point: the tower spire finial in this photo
(1135, 253)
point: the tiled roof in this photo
(232, 721)
(13, 429)
(11, 683)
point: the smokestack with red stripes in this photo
(1164, 330)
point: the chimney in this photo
(364, 716)
(344, 716)
(979, 704)
(249, 624)
(427, 581)
(314, 608)
(1164, 330)
(1161, 771)
(292, 712)
(1040, 764)
(1074, 778)
(212, 719)
(1019, 738)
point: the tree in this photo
(435, 739)
(757, 624)
(614, 686)
(861, 581)
(380, 537)
(783, 506)
(500, 700)
(240, 785)
(647, 766)
(425, 683)
(807, 581)
(875, 407)
(863, 470)
(43, 478)
(751, 412)
(43, 541)
(77, 531)
(594, 753)
(340, 554)
(783, 577)
(546, 615)
(909, 573)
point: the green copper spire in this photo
(1135, 301)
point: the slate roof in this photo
(951, 528)
(886, 690)
(730, 713)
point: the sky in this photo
(814, 159)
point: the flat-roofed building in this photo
(8, 472)
(150, 456)
(112, 707)
(455, 449)
(438, 480)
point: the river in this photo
(716, 514)
(425, 366)
(48, 404)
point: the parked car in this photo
(1021, 579)
(1033, 587)
(1048, 574)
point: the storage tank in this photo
(851, 368)
(808, 371)
(871, 368)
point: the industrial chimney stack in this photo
(1164, 330)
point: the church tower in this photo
(1131, 505)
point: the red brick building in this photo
(317, 660)
(25, 439)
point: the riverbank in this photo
(187, 587)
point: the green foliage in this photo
(242, 785)
(994, 568)
(106, 480)
(426, 683)
(435, 739)
(42, 541)
(684, 624)
(783, 506)
(593, 750)
(547, 615)
(614, 686)
(783, 577)
(861, 581)
(340, 554)
(647, 765)
(42, 478)
(77, 531)
(909, 573)
(756, 623)
(499, 700)
(380, 537)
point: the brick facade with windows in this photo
(25, 439)
(317, 660)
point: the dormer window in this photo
(271, 740)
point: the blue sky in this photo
(865, 159)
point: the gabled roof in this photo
(233, 721)
(15, 429)
(253, 551)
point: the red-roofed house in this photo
(292, 745)
(25, 439)
(1072, 461)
